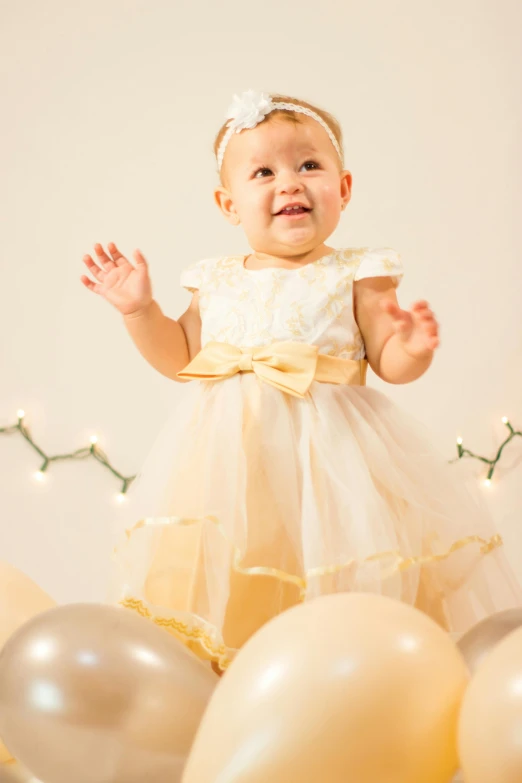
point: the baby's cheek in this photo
(250, 210)
(330, 196)
(330, 201)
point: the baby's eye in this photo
(311, 165)
(264, 172)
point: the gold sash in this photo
(289, 366)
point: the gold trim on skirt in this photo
(202, 634)
(291, 367)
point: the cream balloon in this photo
(14, 772)
(20, 599)
(480, 640)
(490, 724)
(91, 693)
(345, 687)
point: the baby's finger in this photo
(420, 305)
(139, 257)
(118, 257)
(93, 268)
(88, 283)
(427, 322)
(106, 262)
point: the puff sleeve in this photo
(193, 277)
(380, 262)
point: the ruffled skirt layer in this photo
(252, 500)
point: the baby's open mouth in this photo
(293, 211)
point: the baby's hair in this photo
(291, 116)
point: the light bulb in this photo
(20, 414)
(487, 482)
(94, 439)
(39, 475)
(120, 498)
(459, 441)
(504, 419)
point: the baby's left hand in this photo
(417, 328)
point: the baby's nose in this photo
(290, 183)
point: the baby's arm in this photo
(399, 344)
(166, 344)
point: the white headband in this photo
(251, 108)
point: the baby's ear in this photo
(225, 203)
(346, 187)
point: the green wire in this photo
(462, 452)
(95, 452)
(91, 451)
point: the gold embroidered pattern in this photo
(275, 291)
(379, 262)
(350, 257)
(296, 323)
(339, 299)
(310, 304)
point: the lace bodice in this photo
(313, 304)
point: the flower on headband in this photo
(248, 109)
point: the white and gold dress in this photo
(280, 476)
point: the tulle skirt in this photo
(252, 500)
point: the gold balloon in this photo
(92, 693)
(20, 599)
(347, 687)
(480, 640)
(490, 722)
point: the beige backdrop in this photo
(109, 110)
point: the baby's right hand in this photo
(126, 287)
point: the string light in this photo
(94, 451)
(462, 452)
(91, 451)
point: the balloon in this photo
(482, 638)
(490, 721)
(347, 687)
(20, 599)
(92, 693)
(16, 773)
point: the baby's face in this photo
(276, 164)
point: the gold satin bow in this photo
(289, 366)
